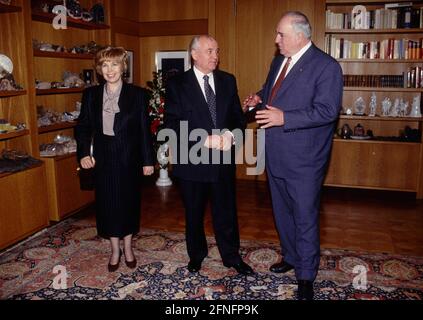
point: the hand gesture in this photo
(250, 102)
(270, 117)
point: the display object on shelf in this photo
(359, 106)
(70, 80)
(62, 145)
(7, 81)
(373, 105)
(89, 48)
(48, 117)
(15, 161)
(415, 108)
(98, 13)
(6, 127)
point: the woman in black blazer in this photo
(114, 117)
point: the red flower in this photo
(154, 126)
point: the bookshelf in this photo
(386, 162)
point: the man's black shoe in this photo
(194, 266)
(305, 290)
(241, 268)
(281, 267)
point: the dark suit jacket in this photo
(186, 102)
(311, 98)
(130, 126)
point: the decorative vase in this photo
(163, 180)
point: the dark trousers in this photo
(225, 223)
(296, 205)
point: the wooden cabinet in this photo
(23, 196)
(23, 201)
(369, 54)
(63, 181)
(66, 196)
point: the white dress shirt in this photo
(294, 60)
(199, 75)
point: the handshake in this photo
(220, 142)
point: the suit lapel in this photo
(296, 70)
(98, 107)
(220, 99)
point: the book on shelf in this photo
(394, 16)
(391, 48)
(398, 4)
(412, 78)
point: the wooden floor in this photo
(368, 220)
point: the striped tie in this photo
(211, 98)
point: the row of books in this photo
(413, 78)
(391, 48)
(396, 18)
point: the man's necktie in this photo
(280, 79)
(211, 98)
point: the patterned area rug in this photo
(31, 270)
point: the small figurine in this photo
(359, 106)
(415, 108)
(386, 106)
(403, 108)
(372, 105)
(394, 112)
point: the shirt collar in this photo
(199, 75)
(300, 53)
(115, 94)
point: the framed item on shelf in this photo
(129, 74)
(172, 62)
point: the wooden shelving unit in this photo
(12, 93)
(24, 201)
(74, 23)
(62, 55)
(4, 8)
(383, 89)
(380, 118)
(380, 60)
(41, 92)
(372, 31)
(13, 134)
(377, 163)
(57, 127)
(375, 141)
(6, 174)
(62, 178)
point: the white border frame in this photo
(173, 55)
(130, 79)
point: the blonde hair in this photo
(118, 54)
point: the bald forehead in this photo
(207, 42)
(286, 22)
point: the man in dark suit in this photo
(302, 97)
(205, 100)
